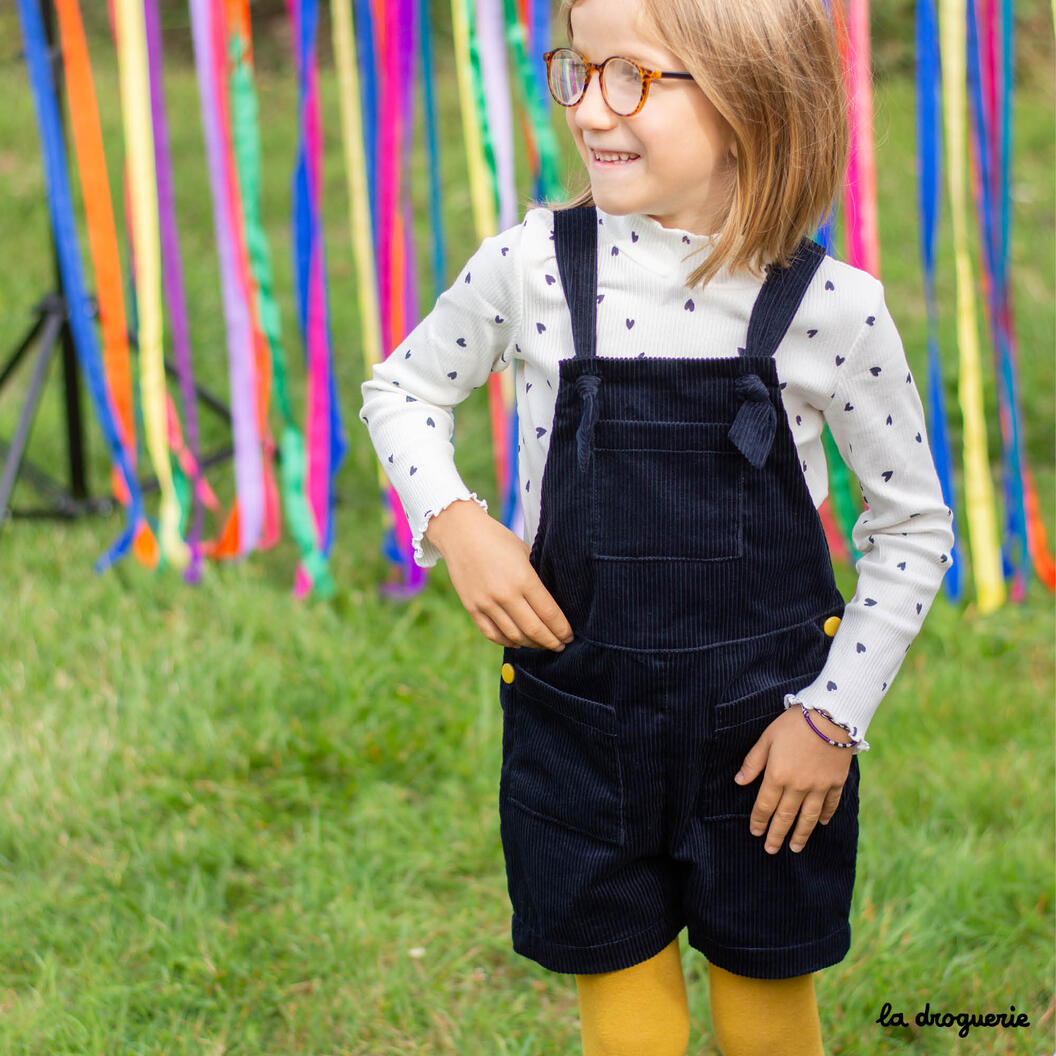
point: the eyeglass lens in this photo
(621, 83)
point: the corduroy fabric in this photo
(693, 616)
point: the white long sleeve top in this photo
(841, 362)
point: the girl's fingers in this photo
(784, 816)
(506, 630)
(766, 803)
(531, 627)
(832, 801)
(490, 631)
(809, 812)
(548, 611)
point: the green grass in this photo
(229, 822)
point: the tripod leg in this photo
(74, 421)
(16, 356)
(29, 412)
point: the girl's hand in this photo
(494, 579)
(803, 775)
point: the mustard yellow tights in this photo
(643, 1011)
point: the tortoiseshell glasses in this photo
(624, 84)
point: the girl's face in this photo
(682, 168)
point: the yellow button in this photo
(831, 625)
(507, 673)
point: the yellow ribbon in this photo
(356, 172)
(139, 145)
(978, 486)
(343, 33)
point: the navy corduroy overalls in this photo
(678, 536)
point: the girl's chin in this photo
(611, 201)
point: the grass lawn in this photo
(231, 823)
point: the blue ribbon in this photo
(307, 241)
(510, 499)
(992, 218)
(64, 227)
(929, 189)
(425, 34)
(366, 51)
(538, 43)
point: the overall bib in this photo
(678, 536)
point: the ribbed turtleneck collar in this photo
(666, 251)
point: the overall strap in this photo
(780, 298)
(576, 242)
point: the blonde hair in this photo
(772, 70)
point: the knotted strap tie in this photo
(753, 429)
(587, 388)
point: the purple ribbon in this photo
(248, 465)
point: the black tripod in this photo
(50, 328)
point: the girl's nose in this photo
(592, 111)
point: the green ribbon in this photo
(542, 129)
(843, 502)
(292, 456)
(479, 103)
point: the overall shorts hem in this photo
(776, 962)
(589, 960)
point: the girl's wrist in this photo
(828, 729)
(450, 522)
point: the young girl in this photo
(684, 691)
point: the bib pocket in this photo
(561, 758)
(666, 491)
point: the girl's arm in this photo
(408, 408)
(906, 539)
(408, 404)
(905, 534)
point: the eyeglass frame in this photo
(647, 77)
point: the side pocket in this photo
(763, 704)
(561, 758)
(768, 669)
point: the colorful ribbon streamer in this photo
(247, 518)
(324, 431)
(396, 531)
(990, 587)
(863, 244)
(535, 96)
(480, 192)
(245, 127)
(102, 244)
(432, 127)
(139, 145)
(172, 275)
(929, 145)
(491, 77)
(843, 508)
(986, 171)
(259, 352)
(990, 85)
(64, 228)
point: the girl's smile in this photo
(607, 159)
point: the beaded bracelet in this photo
(858, 743)
(824, 737)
